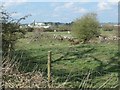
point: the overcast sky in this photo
(62, 11)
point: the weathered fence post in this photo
(49, 69)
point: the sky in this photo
(62, 11)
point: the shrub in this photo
(86, 27)
(30, 29)
(108, 27)
(11, 32)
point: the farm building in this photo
(39, 25)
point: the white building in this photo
(39, 25)
(116, 25)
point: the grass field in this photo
(83, 65)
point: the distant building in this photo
(39, 25)
(116, 25)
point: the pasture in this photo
(93, 65)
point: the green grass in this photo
(109, 33)
(71, 63)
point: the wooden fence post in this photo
(49, 69)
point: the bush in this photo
(30, 29)
(86, 27)
(108, 27)
(11, 32)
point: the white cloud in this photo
(57, 8)
(71, 6)
(54, 4)
(113, 1)
(55, 15)
(16, 14)
(67, 5)
(9, 3)
(60, 0)
(106, 5)
(15, 1)
(80, 10)
(103, 6)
